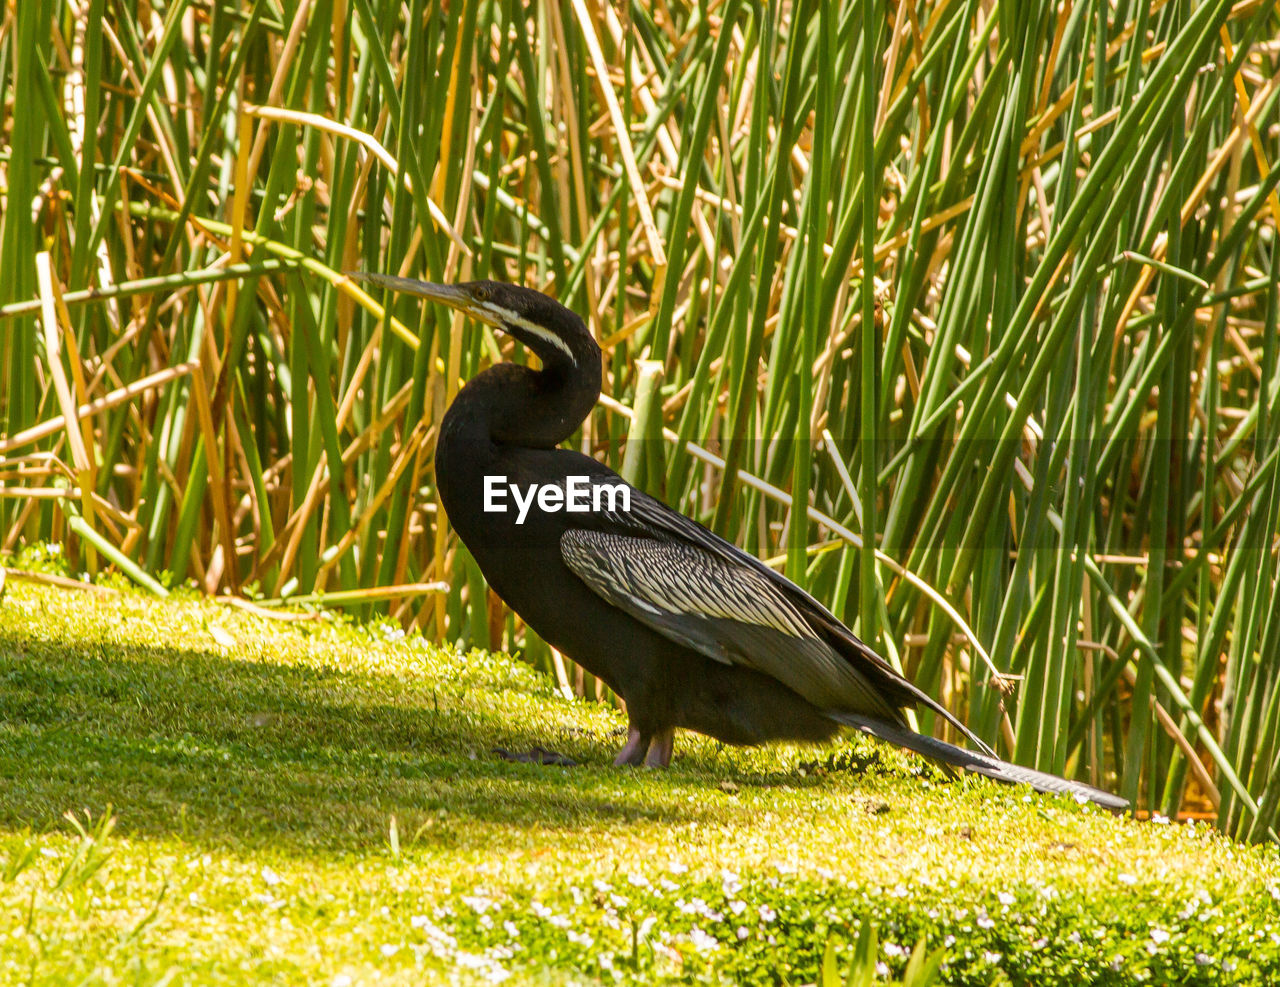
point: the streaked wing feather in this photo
(653, 519)
(721, 609)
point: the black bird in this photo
(690, 631)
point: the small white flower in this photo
(984, 922)
(1005, 898)
(391, 632)
(703, 942)
(581, 939)
(893, 949)
(602, 886)
(767, 914)
(1159, 819)
(668, 885)
(737, 906)
(341, 980)
(442, 944)
(271, 877)
(512, 930)
(1159, 935)
(388, 949)
(1126, 879)
(477, 903)
(676, 867)
(992, 958)
(742, 932)
(638, 881)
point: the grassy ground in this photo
(314, 802)
(1002, 302)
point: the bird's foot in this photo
(660, 749)
(651, 750)
(536, 755)
(633, 752)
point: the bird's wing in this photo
(652, 516)
(845, 668)
(722, 609)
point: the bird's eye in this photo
(480, 293)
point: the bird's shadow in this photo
(194, 744)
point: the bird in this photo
(690, 631)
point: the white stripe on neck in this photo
(502, 315)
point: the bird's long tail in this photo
(982, 764)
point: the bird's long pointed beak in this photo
(454, 296)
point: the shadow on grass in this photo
(193, 744)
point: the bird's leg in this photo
(633, 751)
(660, 749)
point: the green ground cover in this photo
(194, 794)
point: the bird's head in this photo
(557, 334)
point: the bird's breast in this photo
(511, 506)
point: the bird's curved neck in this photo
(516, 405)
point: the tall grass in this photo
(999, 300)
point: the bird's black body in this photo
(665, 684)
(691, 632)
